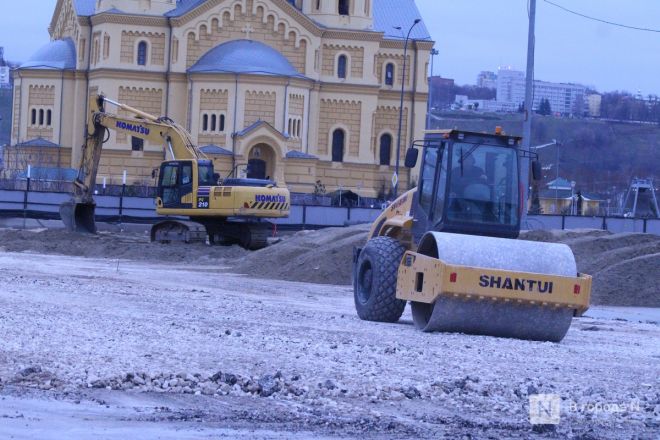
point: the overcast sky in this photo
(476, 35)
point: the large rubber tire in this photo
(374, 287)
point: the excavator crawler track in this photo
(178, 230)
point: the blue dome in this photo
(58, 54)
(245, 56)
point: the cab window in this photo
(170, 175)
(186, 175)
(439, 206)
(428, 178)
(484, 184)
(206, 175)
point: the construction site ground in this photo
(112, 337)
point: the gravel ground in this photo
(95, 348)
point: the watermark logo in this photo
(544, 409)
(605, 408)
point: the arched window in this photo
(142, 53)
(341, 66)
(389, 74)
(338, 138)
(385, 149)
(41, 117)
(343, 7)
(49, 117)
(318, 5)
(222, 123)
(34, 116)
(205, 122)
(214, 122)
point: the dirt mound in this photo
(623, 266)
(323, 257)
(130, 246)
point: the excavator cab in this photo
(469, 184)
(178, 178)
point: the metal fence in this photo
(131, 209)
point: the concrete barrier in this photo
(583, 222)
(326, 216)
(48, 203)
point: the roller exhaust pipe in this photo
(78, 217)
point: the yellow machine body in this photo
(455, 257)
(396, 220)
(424, 279)
(230, 201)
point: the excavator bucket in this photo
(493, 286)
(78, 217)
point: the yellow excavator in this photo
(449, 248)
(199, 205)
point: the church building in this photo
(301, 90)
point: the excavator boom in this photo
(78, 213)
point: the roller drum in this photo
(485, 317)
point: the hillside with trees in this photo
(625, 107)
(600, 156)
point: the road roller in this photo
(450, 248)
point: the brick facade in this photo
(16, 110)
(355, 55)
(130, 40)
(344, 114)
(386, 120)
(214, 101)
(296, 120)
(41, 102)
(148, 100)
(383, 59)
(259, 106)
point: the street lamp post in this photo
(429, 106)
(403, 83)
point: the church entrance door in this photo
(256, 169)
(261, 162)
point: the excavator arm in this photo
(78, 213)
(144, 126)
